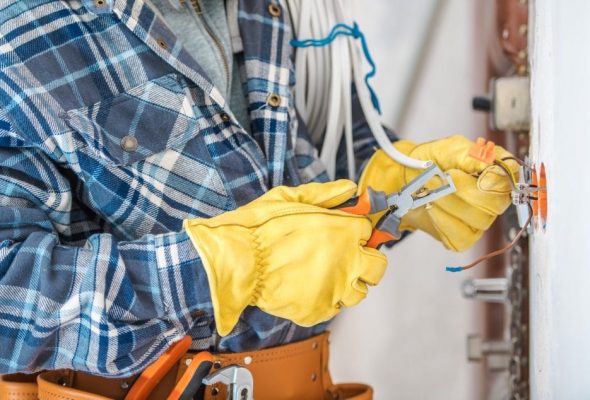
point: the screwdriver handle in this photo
(155, 372)
(190, 385)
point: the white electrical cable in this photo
(324, 78)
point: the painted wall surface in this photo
(408, 338)
(560, 267)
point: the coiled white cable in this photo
(324, 82)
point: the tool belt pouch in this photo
(294, 371)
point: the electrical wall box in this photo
(509, 103)
(512, 103)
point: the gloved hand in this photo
(289, 254)
(457, 220)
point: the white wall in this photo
(560, 267)
(408, 338)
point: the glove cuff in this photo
(230, 259)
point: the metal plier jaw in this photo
(415, 194)
(238, 380)
(412, 196)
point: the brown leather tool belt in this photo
(294, 371)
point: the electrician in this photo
(157, 183)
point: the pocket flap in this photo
(138, 123)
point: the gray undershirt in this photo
(191, 30)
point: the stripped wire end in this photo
(454, 269)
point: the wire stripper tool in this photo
(396, 205)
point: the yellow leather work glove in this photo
(457, 220)
(289, 254)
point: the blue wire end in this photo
(454, 269)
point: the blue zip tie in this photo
(454, 269)
(355, 32)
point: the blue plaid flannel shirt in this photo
(110, 136)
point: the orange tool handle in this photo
(379, 237)
(360, 205)
(193, 376)
(153, 374)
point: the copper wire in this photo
(505, 248)
(518, 160)
(514, 241)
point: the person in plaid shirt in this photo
(113, 132)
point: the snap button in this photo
(129, 143)
(247, 360)
(273, 100)
(162, 43)
(100, 3)
(274, 10)
(224, 117)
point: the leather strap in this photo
(18, 387)
(53, 385)
(294, 371)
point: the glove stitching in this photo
(260, 268)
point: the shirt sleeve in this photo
(74, 297)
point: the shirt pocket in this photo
(136, 124)
(143, 160)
